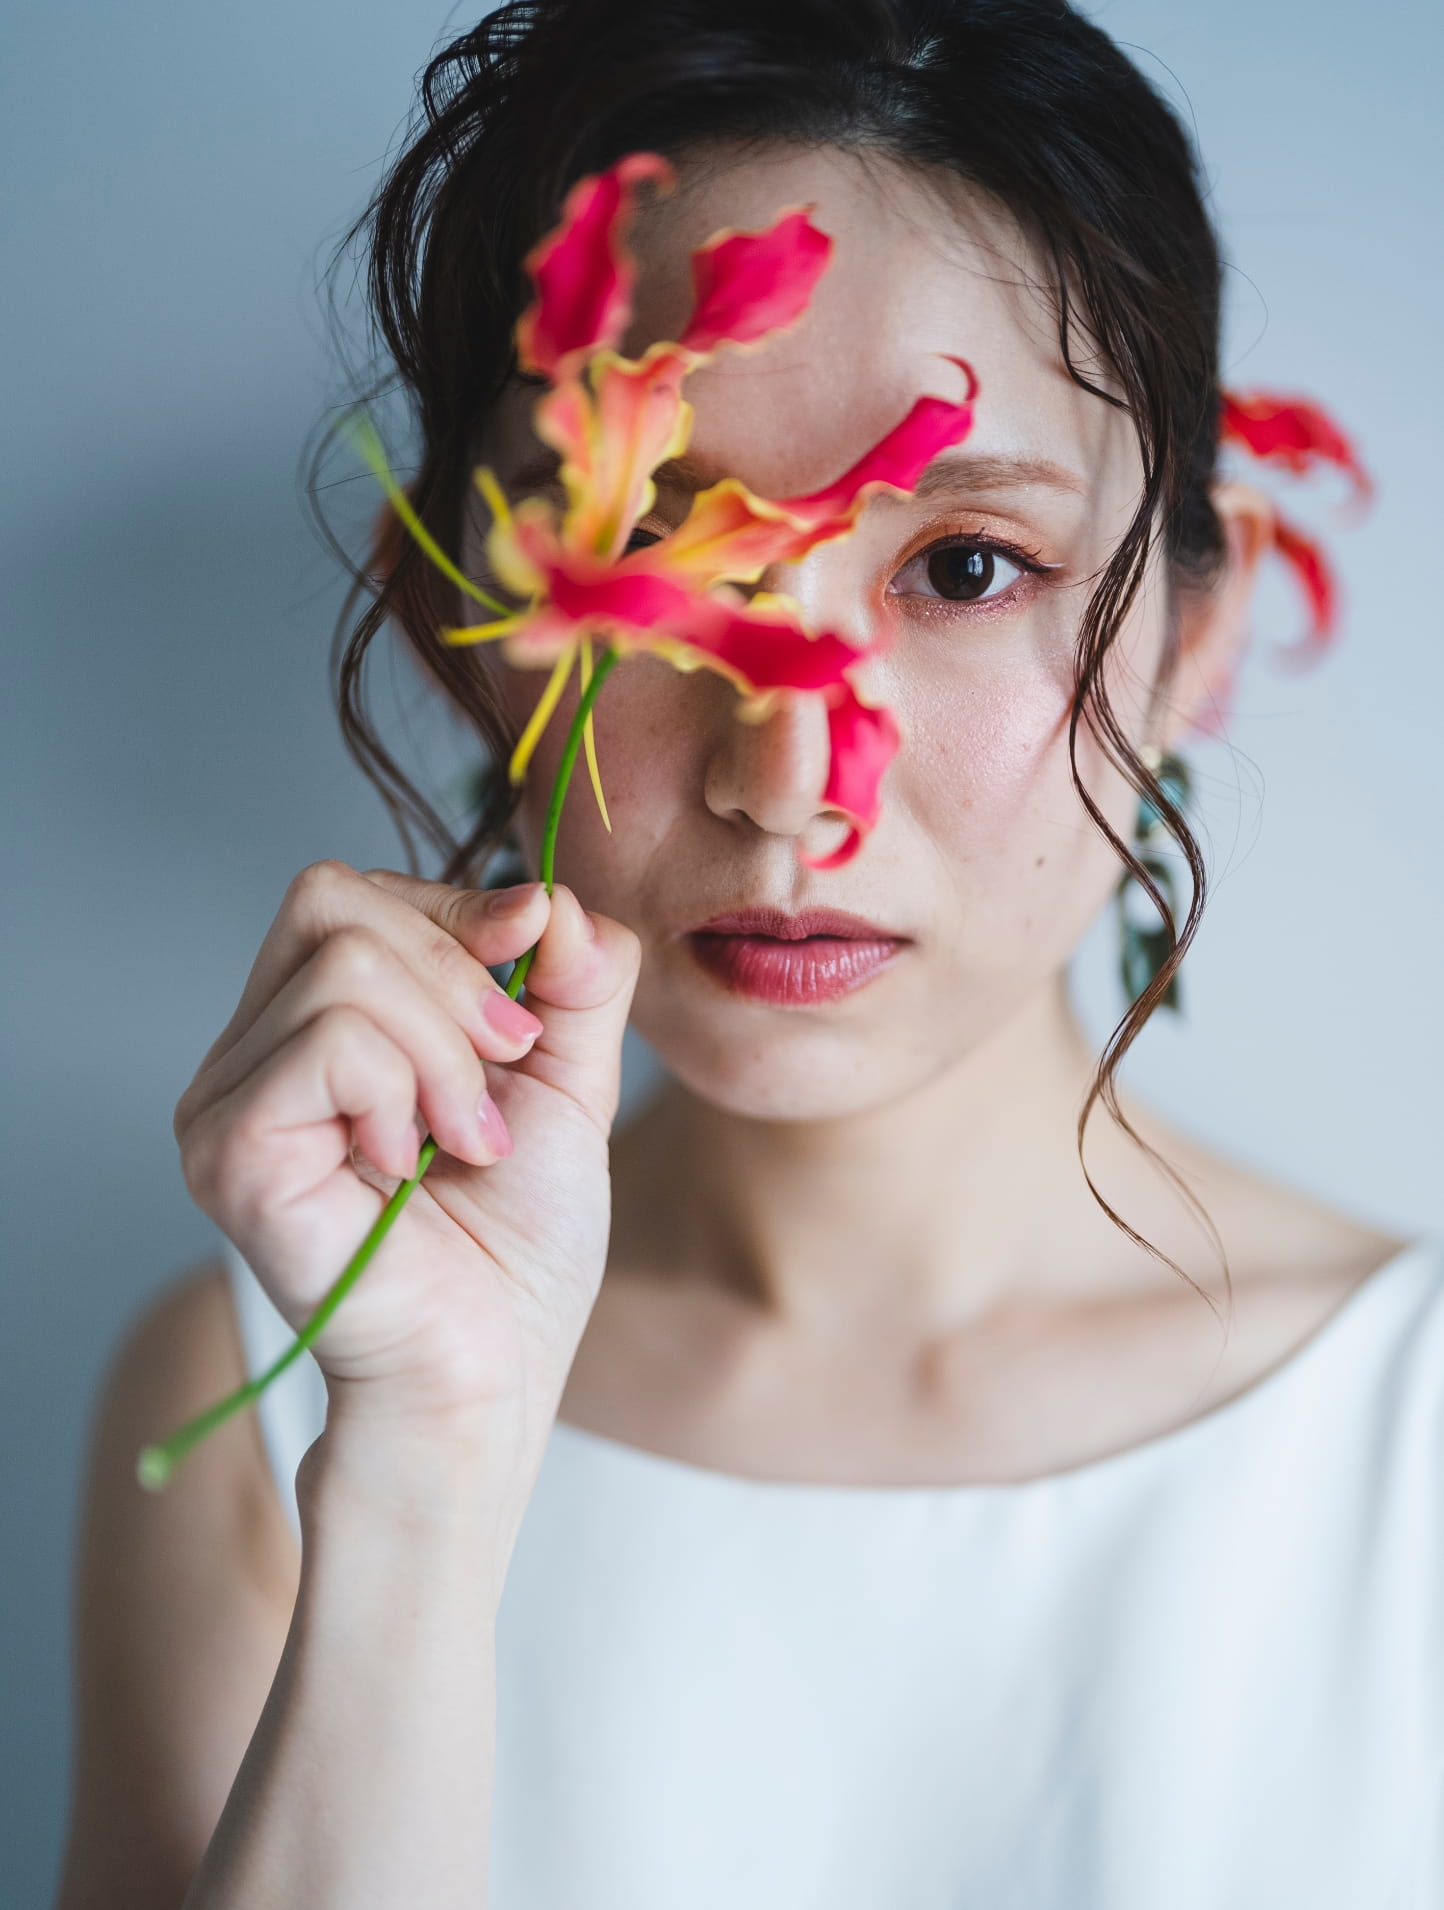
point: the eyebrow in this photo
(961, 473)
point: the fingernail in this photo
(493, 1128)
(510, 1020)
(503, 903)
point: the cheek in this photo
(984, 780)
(982, 750)
(647, 725)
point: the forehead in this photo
(922, 265)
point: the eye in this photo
(648, 537)
(963, 570)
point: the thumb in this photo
(580, 986)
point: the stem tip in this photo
(154, 1467)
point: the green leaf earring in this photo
(1144, 944)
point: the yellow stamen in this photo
(364, 437)
(485, 481)
(541, 715)
(478, 632)
(589, 739)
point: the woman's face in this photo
(984, 870)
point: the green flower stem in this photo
(156, 1463)
(559, 795)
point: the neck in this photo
(921, 1213)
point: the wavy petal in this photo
(582, 270)
(864, 739)
(1311, 569)
(897, 459)
(633, 418)
(566, 419)
(765, 646)
(1294, 433)
(750, 284)
(510, 538)
(639, 599)
(732, 533)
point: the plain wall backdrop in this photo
(173, 174)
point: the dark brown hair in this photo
(1023, 99)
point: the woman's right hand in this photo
(368, 1014)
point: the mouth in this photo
(793, 961)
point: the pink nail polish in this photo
(493, 1128)
(510, 1020)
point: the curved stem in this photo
(559, 795)
(156, 1463)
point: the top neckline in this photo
(1426, 1252)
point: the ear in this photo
(1214, 624)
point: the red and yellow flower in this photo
(612, 420)
(1298, 436)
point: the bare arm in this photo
(182, 1603)
(256, 1730)
(368, 1780)
(235, 1697)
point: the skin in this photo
(849, 1243)
(900, 1169)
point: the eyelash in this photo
(1028, 561)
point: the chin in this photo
(770, 1063)
(771, 1086)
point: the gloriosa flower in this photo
(612, 420)
(1298, 436)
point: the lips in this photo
(797, 961)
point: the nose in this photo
(770, 769)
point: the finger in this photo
(492, 925)
(580, 983)
(328, 896)
(356, 968)
(336, 1082)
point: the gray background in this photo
(172, 174)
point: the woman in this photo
(887, 1509)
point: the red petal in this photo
(730, 532)
(899, 458)
(1311, 568)
(641, 419)
(1292, 432)
(582, 272)
(864, 741)
(761, 651)
(748, 284)
(644, 607)
(638, 599)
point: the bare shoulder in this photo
(182, 1603)
(1282, 1241)
(182, 1351)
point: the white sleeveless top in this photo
(1204, 1674)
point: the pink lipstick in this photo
(793, 961)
